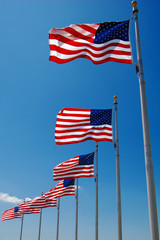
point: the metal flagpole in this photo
(76, 229)
(58, 218)
(40, 224)
(22, 216)
(21, 226)
(146, 136)
(40, 219)
(119, 218)
(96, 180)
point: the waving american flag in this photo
(99, 42)
(64, 187)
(34, 205)
(77, 125)
(76, 167)
(10, 214)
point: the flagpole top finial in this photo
(134, 3)
(115, 99)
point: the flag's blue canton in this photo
(86, 159)
(112, 30)
(68, 182)
(16, 209)
(101, 117)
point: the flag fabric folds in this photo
(64, 187)
(24, 209)
(34, 206)
(76, 167)
(75, 125)
(10, 214)
(99, 42)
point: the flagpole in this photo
(22, 216)
(146, 136)
(21, 226)
(40, 225)
(96, 180)
(119, 218)
(76, 229)
(40, 219)
(58, 218)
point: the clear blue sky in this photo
(33, 90)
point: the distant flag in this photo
(76, 167)
(65, 187)
(34, 206)
(24, 208)
(77, 125)
(10, 214)
(99, 42)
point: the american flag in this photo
(65, 187)
(77, 125)
(76, 167)
(25, 210)
(10, 214)
(99, 42)
(34, 206)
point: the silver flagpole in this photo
(146, 136)
(39, 234)
(76, 229)
(21, 226)
(22, 216)
(58, 218)
(119, 218)
(40, 219)
(96, 180)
